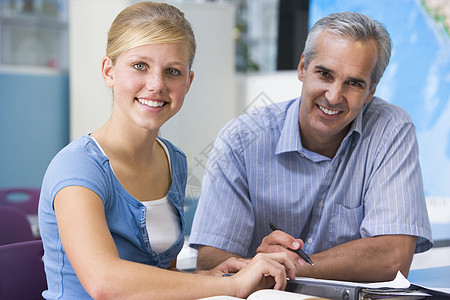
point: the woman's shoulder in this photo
(178, 160)
(80, 163)
(80, 154)
(173, 150)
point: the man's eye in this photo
(173, 72)
(354, 83)
(324, 74)
(139, 66)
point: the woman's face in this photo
(149, 83)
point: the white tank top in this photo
(163, 224)
(162, 220)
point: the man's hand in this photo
(371, 259)
(279, 241)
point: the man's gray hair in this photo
(358, 27)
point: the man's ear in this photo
(107, 71)
(301, 68)
(371, 93)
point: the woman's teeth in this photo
(151, 103)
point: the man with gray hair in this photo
(337, 169)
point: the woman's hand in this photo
(264, 271)
(231, 265)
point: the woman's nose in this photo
(155, 82)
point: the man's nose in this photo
(334, 93)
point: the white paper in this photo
(400, 282)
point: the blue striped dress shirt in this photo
(258, 171)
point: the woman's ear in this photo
(107, 71)
(189, 82)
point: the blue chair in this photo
(14, 226)
(22, 273)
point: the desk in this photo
(438, 277)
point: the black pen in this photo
(299, 251)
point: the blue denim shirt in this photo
(82, 163)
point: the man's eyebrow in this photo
(324, 69)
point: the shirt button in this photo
(321, 204)
(310, 240)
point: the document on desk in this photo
(400, 282)
(268, 294)
(346, 290)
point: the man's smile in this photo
(328, 111)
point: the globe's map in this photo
(418, 76)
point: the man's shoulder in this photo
(384, 111)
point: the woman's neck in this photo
(126, 143)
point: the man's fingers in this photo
(294, 257)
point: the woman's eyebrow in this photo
(146, 58)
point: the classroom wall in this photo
(34, 113)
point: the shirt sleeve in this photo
(76, 167)
(224, 217)
(394, 197)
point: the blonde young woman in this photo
(111, 209)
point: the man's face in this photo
(336, 85)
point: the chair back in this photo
(14, 226)
(22, 273)
(25, 199)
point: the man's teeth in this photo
(328, 111)
(151, 103)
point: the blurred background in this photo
(51, 89)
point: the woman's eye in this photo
(139, 66)
(173, 72)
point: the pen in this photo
(299, 251)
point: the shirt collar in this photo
(290, 139)
(356, 126)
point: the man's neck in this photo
(323, 145)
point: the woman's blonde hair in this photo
(147, 23)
